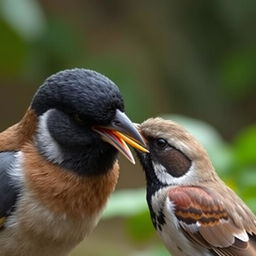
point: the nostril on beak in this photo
(117, 123)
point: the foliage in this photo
(25, 17)
(197, 59)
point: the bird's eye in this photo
(78, 118)
(161, 143)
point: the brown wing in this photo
(203, 218)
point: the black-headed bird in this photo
(58, 165)
(191, 208)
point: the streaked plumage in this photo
(193, 211)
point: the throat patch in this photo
(158, 220)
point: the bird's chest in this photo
(55, 209)
(169, 229)
(64, 192)
(35, 230)
(178, 244)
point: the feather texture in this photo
(8, 191)
(204, 219)
(199, 214)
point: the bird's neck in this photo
(63, 192)
(89, 161)
(83, 160)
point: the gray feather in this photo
(8, 192)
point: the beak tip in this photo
(131, 159)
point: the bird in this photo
(191, 208)
(58, 164)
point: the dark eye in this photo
(78, 118)
(161, 143)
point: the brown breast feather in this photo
(216, 229)
(63, 191)
(60, 190)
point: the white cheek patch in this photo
(165, 178)
(45, 142)
(161, 174)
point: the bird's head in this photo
(83, 112)
(176, 157)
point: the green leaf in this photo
(61, 46)
(238, 72)
(247, 177)
(125, 203)
(140, 226)
(13, 51)
(25, 16)
(252, 203)
(244, 147)
(156, 251)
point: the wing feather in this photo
(8, 192)
(205, 220)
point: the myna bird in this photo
(58, 165)
(191, 208)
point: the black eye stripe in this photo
(79, 119)
(175, 161)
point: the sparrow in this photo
(58, 165)
(191, 208)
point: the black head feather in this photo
(85, 92)
(91, 97)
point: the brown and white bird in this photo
(58, 165)
(191, 208)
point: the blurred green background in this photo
(191, 61)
